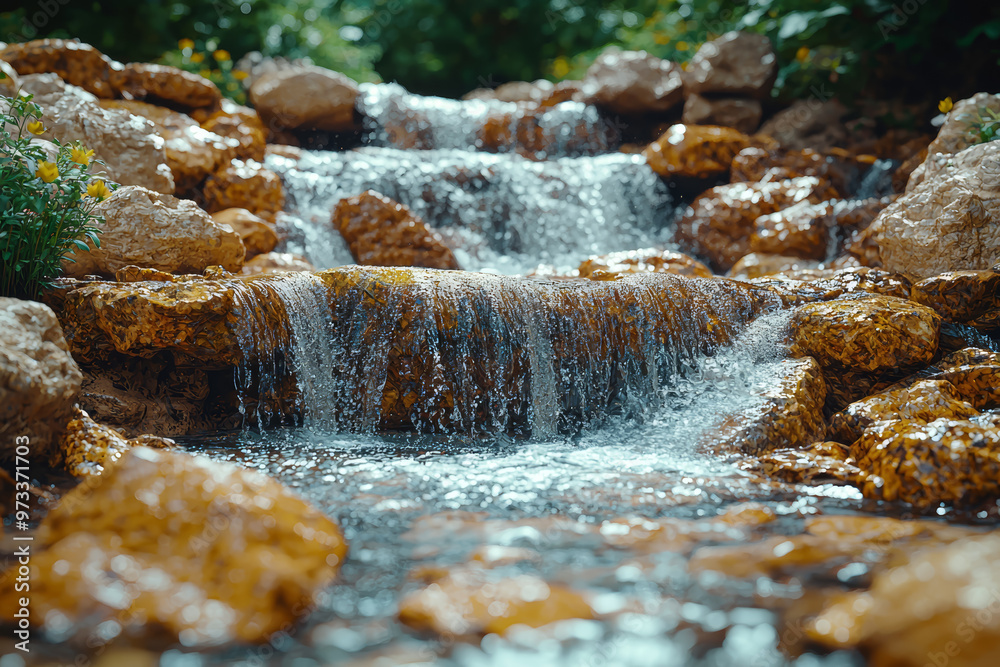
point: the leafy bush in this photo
(46, 205)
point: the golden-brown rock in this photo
(243, 124)
(737, 63)
(837, 166)
(961, 296)
(88, 448)
(797, 231)
(382, 232)
(162, 83)
(258, 236)
(718, 224)
(277, 262)
(696, 151)
(923, 401)
(632, 82)
(207, 552)
(467, 602)
(244, 184)
(39, 380)
(820, 463)
(305, 97)
(643, 261)
(76, 63)
(757, 265)
(741, 114)
(842, 282)
(157, 231)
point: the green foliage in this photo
(214, 64)
(46, 207)
(985, 125)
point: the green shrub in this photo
(46, 207)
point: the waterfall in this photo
(501, 213)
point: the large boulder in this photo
(949, 221)
(382, 232)
(632, 82)
(209, 553)
(39, 380)
(962, 296)
(74, 62)
(956, 134)
(158, 231)
(128, 145)
(737, 63)
(307, 98)
(162, 83)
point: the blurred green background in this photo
(909, 49)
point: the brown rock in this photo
(466, 602)
(820, 463)
(757, 265)
(157, 231)
(258, 236)
(526, 130)
(697, 151)
(901, 620)
(922, 401)
(162, 83)
(961, 296)
(718, 224)
(248, 185)
(738, 113)
(842, 282)
(974, 373)
(737, 63)
(88, 448)
(642, 261)
(632, 82)
(876, 333)
(381, 232)
(926, 463)
(276, 262)
(948, 222)
(837, 166)
(812, 123)
(76, 63)
(127, 144)
(797, 231)
(305, 97)
(39, 380)
(242, 124)
(205, 552)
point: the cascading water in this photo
(500, 213)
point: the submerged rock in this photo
(164, 542)
(616, 264)
(737, 63)
(39, 380)
(695, 151)
(382, 232)
(305, 97)
(632, 82)
(158, 231)
(73, 61)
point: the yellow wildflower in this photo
(945, 105)
(239, 74)
(560, 67)
(81, 155)
(185, 44)
(197, 57)
(98, 190)
(47, 171)
(221, 55)
(802, 55)
(682, 46)
(36, 127)
(205, 73)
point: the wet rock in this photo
(737, 63)
(842, 282)
(901, 620)
(243, 184)
(923, 401)
(961, 296)
(305, 97)
(820, 463)
(162, 83)
(842, 169)
(696, 151)
(952, 461)
(88, 448)
(466, 602)
(974, 373)
(738, 113)
(718, 224)
(73, 61)
(206, 552)
(814, 231)
(258, 236)
(875, 333)
(528, 131)
(132, 152)
(950, 222)
(654, 536)
(277, 262)
(191, 151)
(757, 265)
(957, 134)
(157, 231)
(642, 261)
(382, 232)
(632, 82)
(241, 123)
(791, 414)
(812, 124)
(39, 380)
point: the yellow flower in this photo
(239, 74)
(802, 55)
(47, 171)
(81, 155)
(560, 67)
(205, 73)
(185, 44)
(197, 57)
(98, 190)
(681, 46)
(945, 105)
(36, 127)
(221, 55)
